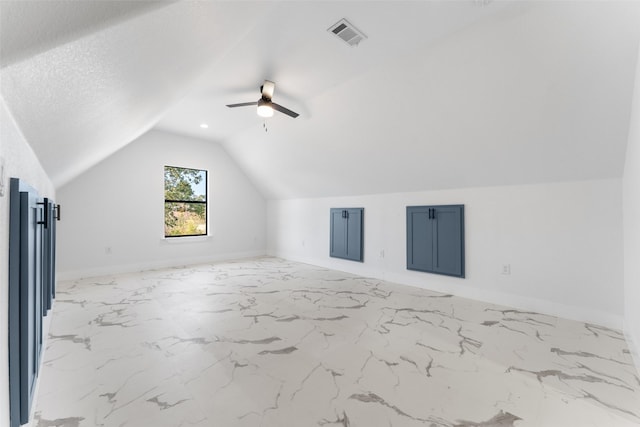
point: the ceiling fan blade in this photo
(286, 111)
(242, 104)
(267, 89)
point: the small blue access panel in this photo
(347, 233)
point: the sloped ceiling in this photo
(441, 95)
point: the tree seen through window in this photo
(185, 202)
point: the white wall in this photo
(631, 213)
(119, 204)
(19, 162)
(563, 242)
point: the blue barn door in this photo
(31, 239)
(30, 297)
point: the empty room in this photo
(319, 213)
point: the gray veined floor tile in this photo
(268, 342)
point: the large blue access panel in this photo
(435, 239)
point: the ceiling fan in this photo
(265, 105)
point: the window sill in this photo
(185, 239)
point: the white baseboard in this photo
(581, 314)
(152, 265)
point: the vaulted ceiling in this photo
(441, 94)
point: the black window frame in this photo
(205, 202)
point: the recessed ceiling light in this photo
(204, 126)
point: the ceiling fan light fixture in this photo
(265, 108)
(265, 105)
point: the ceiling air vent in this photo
(347, 32)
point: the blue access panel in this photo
(435, 239)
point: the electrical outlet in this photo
(107, 250)
(382, 253)
(506, 269)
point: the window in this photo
(185, 202)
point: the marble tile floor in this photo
(269, 342)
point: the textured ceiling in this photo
(28, 28)
(442, 94)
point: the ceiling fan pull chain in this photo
(264, 125)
